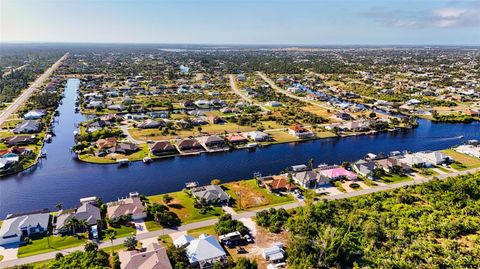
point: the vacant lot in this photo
(248, 195)
(183, 206)
(467, 162)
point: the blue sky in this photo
(310, 22)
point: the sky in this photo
(282, 22)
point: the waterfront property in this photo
(15, 228)
(131, 207)
(210, 194)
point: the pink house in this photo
(339, 172)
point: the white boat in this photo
(122, 162)
(147, 160)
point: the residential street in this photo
(26, 94)
(242, 215)
(235, 89)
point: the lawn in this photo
(395, 178)
(210, 230)
(468, 162)
(183, 206)
(136, 156)
(51, 243)
(124, 231)
(319, 111)
(282, 137)
(248, 195)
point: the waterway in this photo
(62, 178)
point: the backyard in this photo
(50, 243)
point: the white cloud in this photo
(449, 12)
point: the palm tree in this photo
(310, 163)
(111, 234)
(290, 182)
(73, 223)
(82, 223)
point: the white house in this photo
(14, 229)
(203, 251)
(469, 150)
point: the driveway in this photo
(140, 226)
(9, 252)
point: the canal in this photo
(62, 178)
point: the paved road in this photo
(26, 94)
(245, 214)
(235, 89)
(289, 94)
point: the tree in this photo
(90, 247)
(111, 234)
(167, 199)
(59, 206)
(310, 163)
(372, 115)
(178, 257)
(130, 242)
(73, 223)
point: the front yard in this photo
(395, 178)
(51, 243)
(248, 195)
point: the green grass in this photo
(152, 225)
(338, 185)
(183, 206)
(248, 195)
(466, 162)
(114, 248)
(1, 258)
(203, 230)
(395, 178)
(136, 156)
(166, 240)
(51, 243)
(124, 231)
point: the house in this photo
(153, 257)
(125, 148)
(150, 124)
(274, 254)
(433, 157)
(159, 114)
(19, 140)
(412, 160)
(299, 131)
(118, 107)
(278, 184)
(388, 163)
(15, 228)
(413, 102)
(210, 194)
(236, 138)
(338, 173)
(189, 144)
(299, 168)
(104, 143)
(215, 119)
(364, 168)
(164, 147)
(131, 206)
(202, 252)
(343, 116)
(87, 212)
(34, 114)
(258, 136)
(213, 142)
(28, 127)
(306, 179)
(274, 104)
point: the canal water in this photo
(62, 178)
